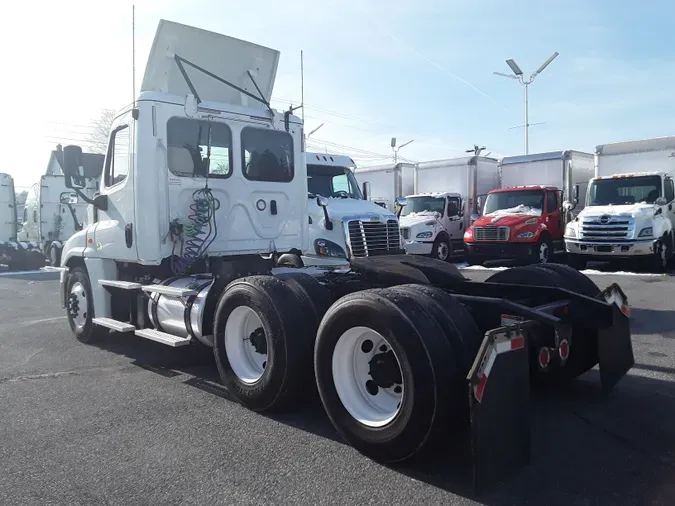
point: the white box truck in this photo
(525, 218)
(629, 211)
(388, 182)
(446, 194)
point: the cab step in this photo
(124, 285)
(162, 337)
(169, 291)
(115, 325)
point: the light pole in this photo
(518, 76)
(395, 149)
(476, 150)
(310, 133)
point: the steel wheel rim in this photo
(443, 251)
(352, 379)
(543, 253)
(247, 362)
(77, 306)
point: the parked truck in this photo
(14, 253)
(389, 182)
(525, 219)
(407, 355)
(436, 216)
(342, 225)
(53, 213)
(629, 211)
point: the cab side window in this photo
(669, 190)
(119, 154)
(551, 201)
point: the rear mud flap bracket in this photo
(499, 394)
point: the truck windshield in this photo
(332, 182)
(424, 205)
(625, 190)
(515, 202)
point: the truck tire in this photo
(371, 346)
(314, 295)
(658, 262)
(35, 259)
(579, 281)
(578, 262)
(262, 343)
(543, 251)
(54, 255)
(442, 249)
(583, 354)
(80, 307)
(455, 320)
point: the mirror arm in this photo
(329, 223)
(78, 225)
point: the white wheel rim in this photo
(543, 253)
(442, 251)
(52, 255)
(78, 304)
(351, 374)
(246, 361)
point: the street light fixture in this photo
(310, 133)
(396, 149)
(518, 76)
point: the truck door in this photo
(455, 223)
(115, 235)
(669, 194)
(553, 214)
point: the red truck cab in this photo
(519, 222)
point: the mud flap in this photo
(615, 349)
(499, 392)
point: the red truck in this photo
(525, 221)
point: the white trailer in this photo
(629, 210)
(435, 217)
(388, 182)
(53, 213)
(205, 186)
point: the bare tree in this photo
(97, 140)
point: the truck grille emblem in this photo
(604, 219)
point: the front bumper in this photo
(605, 250)
(418, 247)
(497, 251)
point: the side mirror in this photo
(366, 190)
(660, 201)
(575, 194)
(401, 201)
(321, 201)
(474, 217)
(479, 203)
(73, 169)
(68, 198)
(568, 206)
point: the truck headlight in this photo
(525, 235)
(326, 248)
(468, 234)
(424, 235)
(570, 232)
(646, 232)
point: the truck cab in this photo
(521, 222)
(429, 221)
(627, 216)
(342, 223)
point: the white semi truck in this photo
(53, 213)
(629, 213)
(210, 188)
(342, 225)
(436, 216)
(14, 253)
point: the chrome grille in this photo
(368, 238)
(606, 228)
(491, 233)
(405, 232)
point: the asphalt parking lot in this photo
(130, 421)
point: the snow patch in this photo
(468, 267)
(619, 273)
(518, 210)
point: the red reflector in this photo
(625, 310)
(544, 357)
(517, 343)
(480, 389)
(564, 349)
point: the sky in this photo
(419, 70)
